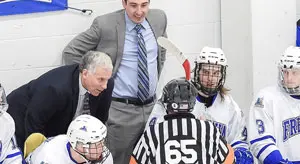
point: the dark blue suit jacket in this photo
(48, 103)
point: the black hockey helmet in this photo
(179, 95)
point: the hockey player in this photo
(84, 143)
(274, 116)
(9, 152)
(214, 103)
(181, 138)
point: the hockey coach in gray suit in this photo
(128, 36)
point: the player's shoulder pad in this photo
(233, 106)
(228, 99)
(265, 95)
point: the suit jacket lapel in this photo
(152, 24)
(121, 38)
(75, 90)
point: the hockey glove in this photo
(243, 156)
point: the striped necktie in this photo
(143, 75)
(86, 105)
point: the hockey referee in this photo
(181, 139)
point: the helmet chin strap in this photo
(86, 161)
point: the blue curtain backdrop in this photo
(11, 7)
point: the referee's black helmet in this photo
(179, 95)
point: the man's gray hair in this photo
(93, 59)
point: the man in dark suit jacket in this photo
(116, 34)
(49, 103)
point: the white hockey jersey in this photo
(56, 150)
(226, 115)
(9, 152)
(274, 124)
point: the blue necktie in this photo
(143, 75)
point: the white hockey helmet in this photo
(3, 101)
(210, 57)
(290, 61)
(87, 130)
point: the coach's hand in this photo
(243, 156)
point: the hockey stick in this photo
(171, 48)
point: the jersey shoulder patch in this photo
(259, 102)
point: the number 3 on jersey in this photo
(260, 126)
(177, 151)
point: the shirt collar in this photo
(130, 25)
(82, 90)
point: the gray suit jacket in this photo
(107, 34)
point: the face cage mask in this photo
(205, 90)
(290, 91)
(86, 147)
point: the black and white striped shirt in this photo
(181, 139)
